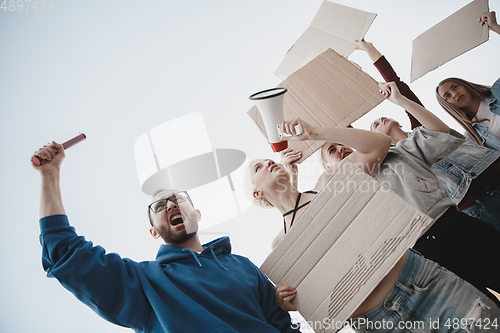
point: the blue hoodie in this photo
(181, 291)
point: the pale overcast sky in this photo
(115, 69)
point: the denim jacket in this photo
(467, 162)
(493, 100)
(489, 140)
(457, 171)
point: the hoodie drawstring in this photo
(198, 260)
(215, 257)
(194, 255)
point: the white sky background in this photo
(115, 69)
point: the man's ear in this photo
(257, 194)
(198, 214)
(154, 233)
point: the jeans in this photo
(429, 298)
(487, 209)
(465, 246)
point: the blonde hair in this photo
(477, 90)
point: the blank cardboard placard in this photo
(334, 26)
(329, 91)
(448, 39)
(343, 245)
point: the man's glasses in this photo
(176, 198)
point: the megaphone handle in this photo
(68, 144)
(298, 129)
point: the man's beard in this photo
(181, 238)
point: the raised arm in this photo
(371, 147)
(370, 50)
(107, 284)
(50, 198)
(490, 19)
(429, 120)
(389, 74)
(288, 159)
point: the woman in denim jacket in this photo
(474, 106)
(477, 109)
(467, 173)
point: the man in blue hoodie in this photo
(190, 287)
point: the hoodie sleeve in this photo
(108, 284)
(274, 315)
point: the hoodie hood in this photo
(170, 253)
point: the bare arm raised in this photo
(372, 52)
(490, 19)
(429, 120)
(288, 159)
(50, 199)
(370, 149)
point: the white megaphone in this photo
(270, 105)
